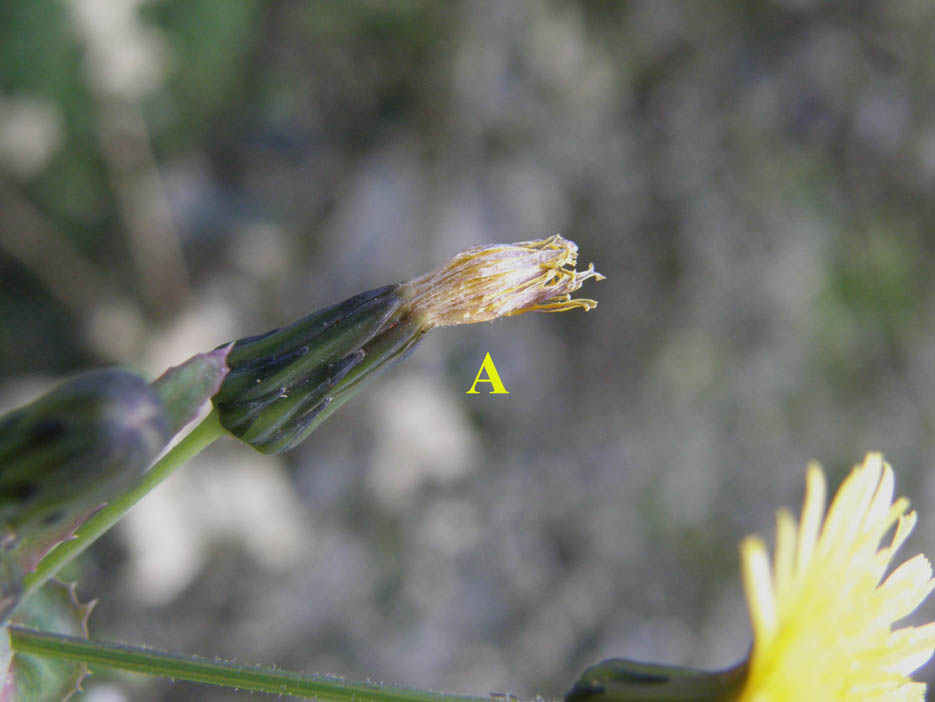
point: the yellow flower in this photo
(823, 615)
(487, 282)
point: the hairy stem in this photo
(213, 672)
(196, 441)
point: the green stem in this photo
(213, 672)
(196, 441)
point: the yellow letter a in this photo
(492, 377)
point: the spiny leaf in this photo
(28, 678)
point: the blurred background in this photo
(755, 180)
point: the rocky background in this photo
(755, 179)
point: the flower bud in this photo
(283, 384)
(75, 448)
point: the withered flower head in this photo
(487, 282)
(283, 384)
